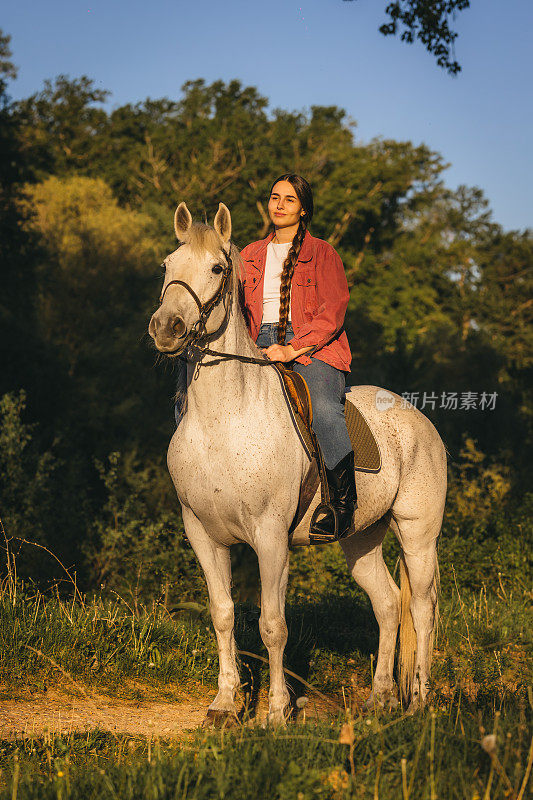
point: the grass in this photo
(483, 644)
(102, 643)
(473, 741)
(453, 752)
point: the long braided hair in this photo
(305, 196)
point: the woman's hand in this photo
(280, 352)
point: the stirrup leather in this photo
(325, 506)
(300, 400)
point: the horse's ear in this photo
(223, 223)
(182, 222)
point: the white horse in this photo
(238, 466)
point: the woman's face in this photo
(284, 208)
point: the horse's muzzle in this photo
(169, 335)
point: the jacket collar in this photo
(306, 250)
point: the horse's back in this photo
(389, 414)
(411, 439)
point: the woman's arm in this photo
(333, 295)
(284, 352)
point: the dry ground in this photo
(60, 713)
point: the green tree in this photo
(97, 291)
(429, 21)
(62, 124)
(41, 501)
(22, 358)
(439, 292)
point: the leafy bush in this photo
(40, 501)
(136, 549)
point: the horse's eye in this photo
(217, 269)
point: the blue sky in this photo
(311, 52)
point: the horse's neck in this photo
(216, 379)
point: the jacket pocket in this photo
(305, 280)
(251, 275)
(305, 277)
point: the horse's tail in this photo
(407, 654)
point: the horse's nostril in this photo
(178, 326)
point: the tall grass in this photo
(483, 643)
(473, 740)
(448, 753)
(102, 642)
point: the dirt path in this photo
(22, 718)
(60, 714)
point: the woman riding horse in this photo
(296, 295)
(239, 466)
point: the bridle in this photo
(199, 330)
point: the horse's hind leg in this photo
(418, 539)
(363, 552)
(215, 562)
(417, 513)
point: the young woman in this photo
(296, 295)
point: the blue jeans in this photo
(327, 387)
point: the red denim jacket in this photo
(319, 299)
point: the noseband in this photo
(199, 329)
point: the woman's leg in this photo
(327, 389)
(267, 335)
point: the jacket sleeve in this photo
(242, 256)
(333, 295)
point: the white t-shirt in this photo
(275, 258)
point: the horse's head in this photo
(197, 279)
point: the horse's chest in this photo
(214, 466)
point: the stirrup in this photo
(317, 536)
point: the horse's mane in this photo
(202, 237)
(237, 282)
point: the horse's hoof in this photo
(279, 718)
(416, 704)
(387, 701)
(220, 719)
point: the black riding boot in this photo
(343, 498)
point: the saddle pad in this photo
(365, 447)
(367, 457)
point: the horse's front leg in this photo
(273, 556)
(215, 562)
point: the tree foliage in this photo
(439, 298)
(429, 21)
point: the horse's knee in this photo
(222, 615)
(273, 630)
